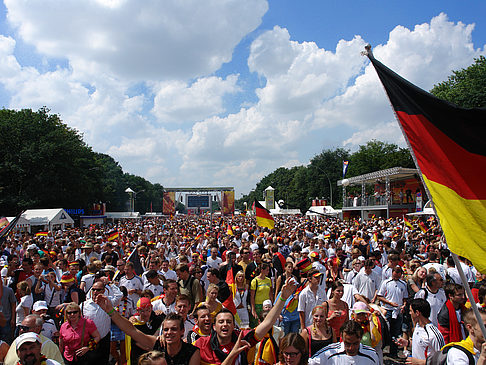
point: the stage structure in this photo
(387, 193)
(200, 200)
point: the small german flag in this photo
(229, 230)
(407, 223)
(43, 234)
(263, 217)
(422, 226)
(113, 236)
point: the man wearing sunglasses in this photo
(33, 324)
(93, 311)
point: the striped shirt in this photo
(426, 341)
(335, 354)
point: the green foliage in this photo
(299, 185)
(466, 87)
(46, 164)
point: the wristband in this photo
(110, 313)
(92, 344)
(282, 299)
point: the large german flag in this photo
(263, 217)
(449, 144)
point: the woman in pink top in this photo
(71, 336)
(337, 309)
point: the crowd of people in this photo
(190, 290)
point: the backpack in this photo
(440, 357)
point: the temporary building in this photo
(48, 219)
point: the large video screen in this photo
(195, 201)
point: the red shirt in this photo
(209, 357)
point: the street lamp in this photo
(133, 196)
(330, 185)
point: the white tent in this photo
(322, 210)
(428, 210)
(49, 219)
(22, 223)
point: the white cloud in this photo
(154, 40)
(150, 98)
(177, 102)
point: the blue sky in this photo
(221, 93)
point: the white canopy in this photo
(48, 218)
(322, 210)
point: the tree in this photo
(466, 87)
(377, 155)
(44, 163)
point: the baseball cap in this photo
(360, 307)
(144, 302)
(27, 337)
(39, 305)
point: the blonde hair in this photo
(71, 306)
(24, 288)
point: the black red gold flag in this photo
(449, 145)
(263, 217)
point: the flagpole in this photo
(368, 52)
(469, 293)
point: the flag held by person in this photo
(263, 217)
(449, 147)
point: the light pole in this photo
(330, 185)
(133, 196)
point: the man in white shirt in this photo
(394, 293)
(367, 281)
(349, 351)
(426, 338)
(168, 273)
(458, 357)
(153, 284)
(214, 261)
(102, 321)
(434, 263)
(132, 282)
(433, 294)
(166, 304)
(309, 297)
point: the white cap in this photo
(32, 246)
(361, 258)
(253, 247)
(27, 337)
(267, 302)
(305, 250)
(39, 305)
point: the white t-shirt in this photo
(426, 341)
(367, 285)
(335, 354)
(436, 302)
(394, 291)
(458, 357)
(214, 263)
(26, 301)
(308, 300)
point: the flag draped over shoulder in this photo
(449, 144)
(263, 217)
(137, 264)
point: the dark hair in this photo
(168, 282)
(172, 316)
(297, 341)
(432, 256)
(482, 293)
(352, 328)
(151, 274)
(147, 293)
(28, 261)
(430, 278)
(450, 261)
(421, 305)
(200, 307)
(451, 288)
(215, 272)
(222, 311)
